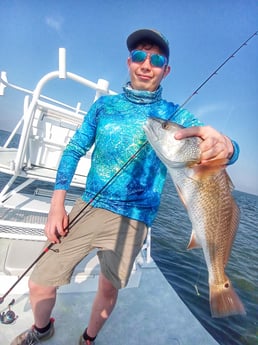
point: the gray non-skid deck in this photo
(150, 314)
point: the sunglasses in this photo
(156, 60)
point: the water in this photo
(186, 270)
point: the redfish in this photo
(206, 192)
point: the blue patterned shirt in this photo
(114, 124)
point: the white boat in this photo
(148, 310)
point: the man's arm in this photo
(77, 147)
(57, 217)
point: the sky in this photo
(202, 34)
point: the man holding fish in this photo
(117, 220)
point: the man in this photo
(117, 220)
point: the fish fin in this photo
(193, 243)
(180, 194)
(224, 301)
(209, 168)
(230, 183)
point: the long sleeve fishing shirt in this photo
(114, 125)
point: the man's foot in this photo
(32, 336)
(82, 341)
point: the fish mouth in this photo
(152, 128)
(149, 127)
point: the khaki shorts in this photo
(118, 238)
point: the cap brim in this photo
(149, 35)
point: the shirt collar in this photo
(140, 96)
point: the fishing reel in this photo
(9, 316)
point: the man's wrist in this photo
(235, 154)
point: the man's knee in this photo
(106, 288)
(36, 289)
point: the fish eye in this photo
(165, 125)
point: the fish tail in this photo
(224, 301)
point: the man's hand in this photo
(57, 218)
(214, 145)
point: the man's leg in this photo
(103, 305)
(42, 300)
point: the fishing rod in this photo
(216, 70)
(76, 218)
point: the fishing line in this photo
(198, 278)
(216, 70)
(76, 218)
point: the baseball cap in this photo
(151, 35)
